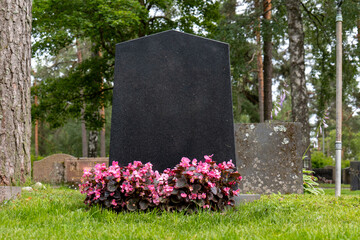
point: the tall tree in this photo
(103, 23)
(15, 119)
(299, 95)
(260, 72)
(84, 139)
(268, 68)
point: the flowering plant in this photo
(131, 187)
(188, 186)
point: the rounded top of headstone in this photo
(59, 157)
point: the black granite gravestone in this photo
(172, 98)
(355, 175)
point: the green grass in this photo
(60, 214)
(332, 185)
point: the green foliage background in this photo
(64, 85)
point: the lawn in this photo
(60, 214)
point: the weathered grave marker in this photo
(355, 175)
(51, 169)
(172, 98)
(9, 192)
(269, 157)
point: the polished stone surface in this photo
(172, 98)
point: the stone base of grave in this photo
(245, 198)
(9, 192)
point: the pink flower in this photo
(184, 195)
(226, 190)
(230, 164)
(236, 192)
(206, 206)
(194, 162)
(113, 202)
(185, 162)
(168, 189)
(193, 196)
(208, 159)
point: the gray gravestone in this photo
(172, 98)
(355, 175)
(269, 157)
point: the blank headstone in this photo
(172, 98)
(355, 175)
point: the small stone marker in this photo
(9, 192)
(74, 168)
(269, 157)
(246, 198)
(345, 174)
(355, 175)
(172, 98)
(51, 168)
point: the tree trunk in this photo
(358, 28)
(36, 130)
(93, 140)
(259, 65)
(299, 97)
(102, 134)
(102, 113)
(268, 69)
(83, 126)
(15, 83)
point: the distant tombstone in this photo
(355, 175)
(74, 168)
(51, 169)
(172, 98)
(346, 175)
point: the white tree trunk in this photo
(299, 96)
(15, 116)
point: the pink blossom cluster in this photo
(190, 184)
(120, 184)
(206, 182)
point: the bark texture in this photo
(259, 64)
(299, 96)
(93, 140)
(15, 118)
(268, 68)
(83, 125)
(102, 135)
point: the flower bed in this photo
(189, 186)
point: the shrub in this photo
(189, 186)
(319, 160)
